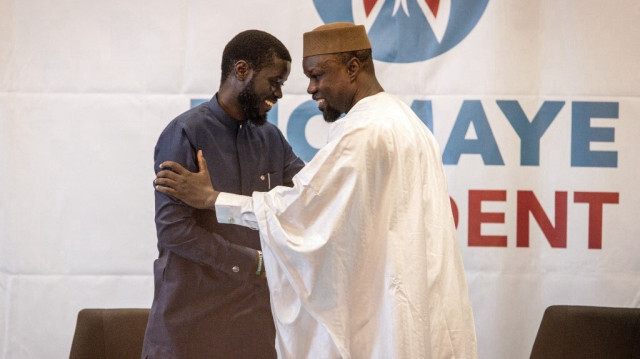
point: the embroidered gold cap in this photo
(335, 37)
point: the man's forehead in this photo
(319, 61)
(278, 67)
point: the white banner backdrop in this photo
(536, 106)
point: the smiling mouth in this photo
(270, 104)
(320, 103)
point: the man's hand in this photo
(194, 189)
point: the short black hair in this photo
(255, 47)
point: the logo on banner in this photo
(404, 31)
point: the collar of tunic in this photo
(223, 116)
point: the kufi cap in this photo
(333, 38)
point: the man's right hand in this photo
(192, 188)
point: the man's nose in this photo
(311, 89)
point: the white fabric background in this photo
(86, 88)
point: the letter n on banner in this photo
(528, 203)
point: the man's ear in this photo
(353, 68)
(242, 70)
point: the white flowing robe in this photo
(361, 254)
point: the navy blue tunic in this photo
(208, 303)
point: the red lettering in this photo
(477, 217)
(454, 210)
(596, 200)
(528, 203)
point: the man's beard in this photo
(250, 104)
(330, 114)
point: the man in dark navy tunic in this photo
(211, 298)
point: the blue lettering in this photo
(196, 101)
(424, 111)
(272, 115)
(296, 126)
(485, 145)
(530, 132)
(582, 134)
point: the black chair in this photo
(569, 331)
(109, 333)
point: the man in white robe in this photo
(360, 254)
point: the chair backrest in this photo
(569, 331)
(109, 333)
